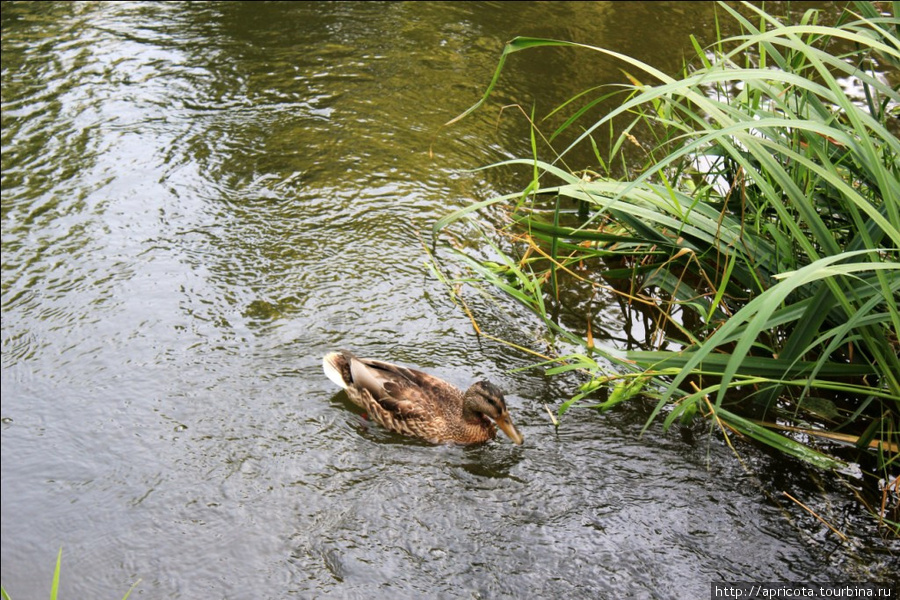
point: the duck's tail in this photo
(337, 368)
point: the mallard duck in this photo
(421, 405)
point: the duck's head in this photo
(486, 398)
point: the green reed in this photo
(54, 586)
(760, 234)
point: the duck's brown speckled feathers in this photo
(418, 404)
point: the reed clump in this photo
(760, 235)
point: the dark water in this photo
(200, 200)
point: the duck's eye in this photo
(492, 401)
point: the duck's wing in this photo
(387, 387)
(408, 394)
(403, 384)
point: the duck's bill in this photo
(506, 425)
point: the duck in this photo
(417, 404)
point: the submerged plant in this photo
(761, 236)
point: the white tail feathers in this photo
(332, 370)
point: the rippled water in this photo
(199, 200)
